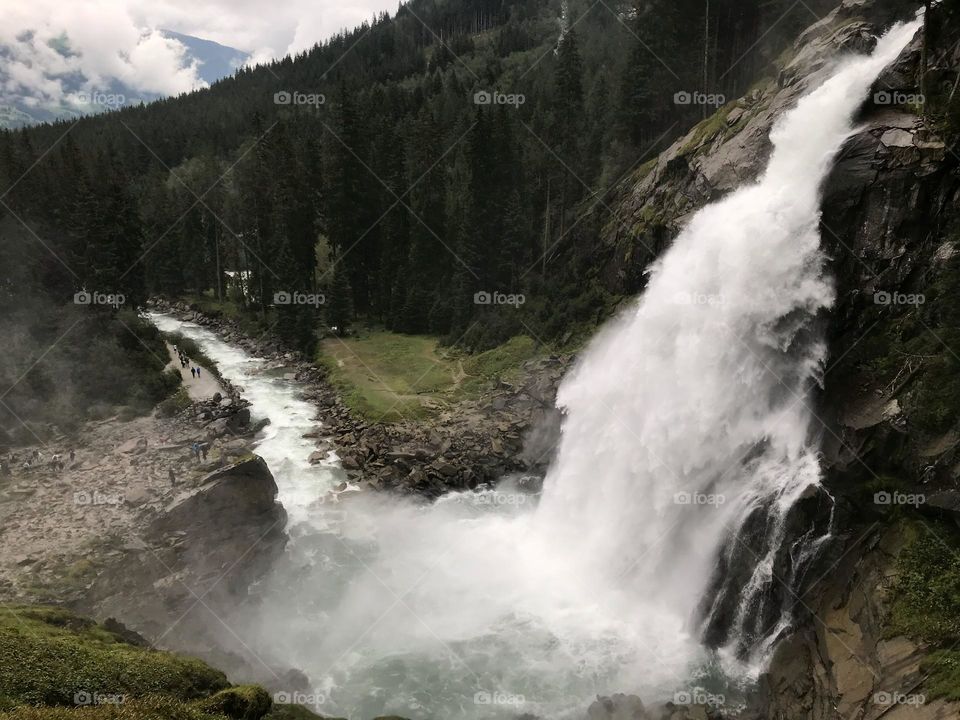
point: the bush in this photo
(243, 702)
(175, 404)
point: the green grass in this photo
(386, 377)
(55, 665)
(49, 655)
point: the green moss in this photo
(51, 656)
(242, 702)
(155, 707)
(293, 712)
(644, 170)
(706, 129)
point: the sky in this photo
(118, 39)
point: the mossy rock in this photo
(293, 712)
(58, 665)
(242, 702)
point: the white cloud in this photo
(117, 41)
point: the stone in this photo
(897, 138)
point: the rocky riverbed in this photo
(512, 429)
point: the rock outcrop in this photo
(841, 663)
(196, 559)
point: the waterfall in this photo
(688, 438)
(670, 524)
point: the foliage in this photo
(175, 404)
(926, 598)
(65, 364)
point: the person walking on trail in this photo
(195, 449)
(198, 371)
(171, 475)
(193, 372)
(205, 448)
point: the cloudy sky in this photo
(117, 39)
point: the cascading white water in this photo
(684, 417)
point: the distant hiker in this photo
(205, 448)
(198, 371)
(170, 474)
(73, 455)
(195, 448)
(193, 372)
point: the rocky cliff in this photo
(889, 404)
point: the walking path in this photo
(198, 388)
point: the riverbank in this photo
(510, 428)
(140, 514)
